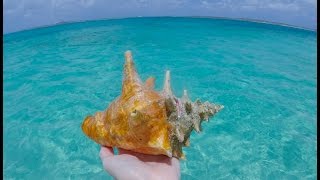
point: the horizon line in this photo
(259, 21)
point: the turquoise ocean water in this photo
(264, 75)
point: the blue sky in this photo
(26, 14)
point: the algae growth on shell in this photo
(146, 121)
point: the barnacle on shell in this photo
(146, 121)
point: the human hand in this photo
(130, 165)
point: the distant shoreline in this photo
(257, 21)
(195, 17)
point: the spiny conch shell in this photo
(146, 121)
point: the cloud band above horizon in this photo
(26, 14)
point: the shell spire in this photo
(150, 82)
(131, 80)
(167, 86)
(185, 94)
(185, 97)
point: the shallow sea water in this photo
(264, 75)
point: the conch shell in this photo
(146, 121)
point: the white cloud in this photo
(248, 7)
(13, 6)
(87, 3)
(312, 2)
(283, 6)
